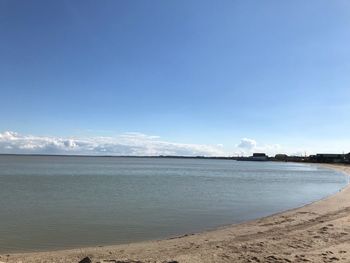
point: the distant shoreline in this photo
(315, 232)
(315, 159)
(121, 156)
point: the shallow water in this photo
(49, 202)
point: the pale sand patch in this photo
(319, 232)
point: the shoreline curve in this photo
(315, 232)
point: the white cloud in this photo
(124, 144)
(248, 146)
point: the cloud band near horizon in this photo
(135, 144)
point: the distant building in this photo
(317, 158)
(259, 157)
(328, 158)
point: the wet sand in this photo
(318, 232)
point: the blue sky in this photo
(224, 77)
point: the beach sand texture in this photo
(319, 232)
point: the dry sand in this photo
(318, 232)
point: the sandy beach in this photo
(318, 232)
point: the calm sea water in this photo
(63, 202)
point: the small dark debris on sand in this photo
(85, 260)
